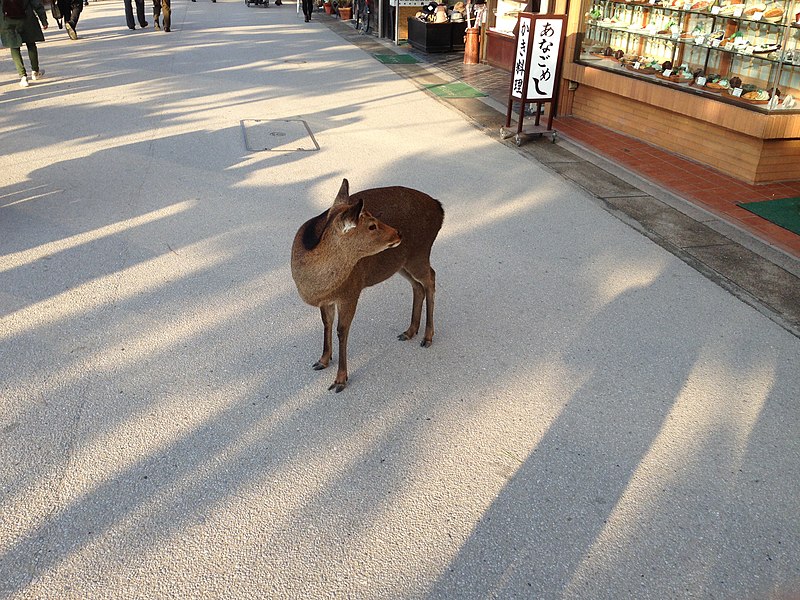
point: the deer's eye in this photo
(373, 227)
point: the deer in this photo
(360, 241)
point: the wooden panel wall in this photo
(780, 161)
(730, 152)
(742, 156)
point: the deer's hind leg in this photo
(423, 282)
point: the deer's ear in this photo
(343, 197)
(351, 215)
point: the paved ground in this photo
(596, 418)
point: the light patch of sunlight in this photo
(489, 213)
(620, 278)
(211, 103)
(28, 256)
(96, 293)
(709, 423)
(29, 197)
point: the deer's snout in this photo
(396, 241)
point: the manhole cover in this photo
(277, 136)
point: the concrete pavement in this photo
(594, 419)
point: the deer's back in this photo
(417, 217)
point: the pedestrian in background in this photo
(19, 23)
(308, 9)
(70, 11)
(139, 14)
(160, 6)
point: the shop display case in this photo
(436, 37)
(745, 53)
(505, 16)
(501, 41)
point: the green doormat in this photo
(396, 59)
(458, 89)
(784, 212)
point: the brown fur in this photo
(393, 230)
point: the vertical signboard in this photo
(545, 53)
(521, 56)
(537, 65)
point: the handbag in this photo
(56, 11)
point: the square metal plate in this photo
(278, 135)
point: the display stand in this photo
(537, 72)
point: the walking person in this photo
(70, 11)
(308, 9)
(19, 23)
(139, 14)
(160, 6)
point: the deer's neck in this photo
(320, 273)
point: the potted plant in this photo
(345, 9)
(328, 7)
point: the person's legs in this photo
(71, 21)
(140, 13)
(33, 56)
(129, 15)
(16, 56)
(156, 14)
(75, 13)
(167, 10)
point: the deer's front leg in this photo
(328, 311)
(347, 311)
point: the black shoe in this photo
(166, 29)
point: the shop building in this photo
(719, 84)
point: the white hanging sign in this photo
(539, 40)
(521, 56)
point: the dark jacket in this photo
(15, 32)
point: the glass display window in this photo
(746, 53)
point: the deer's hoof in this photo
(319, 365)
(337, 387)
(426, 343)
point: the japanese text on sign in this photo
(521, 57)
(544, 37)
